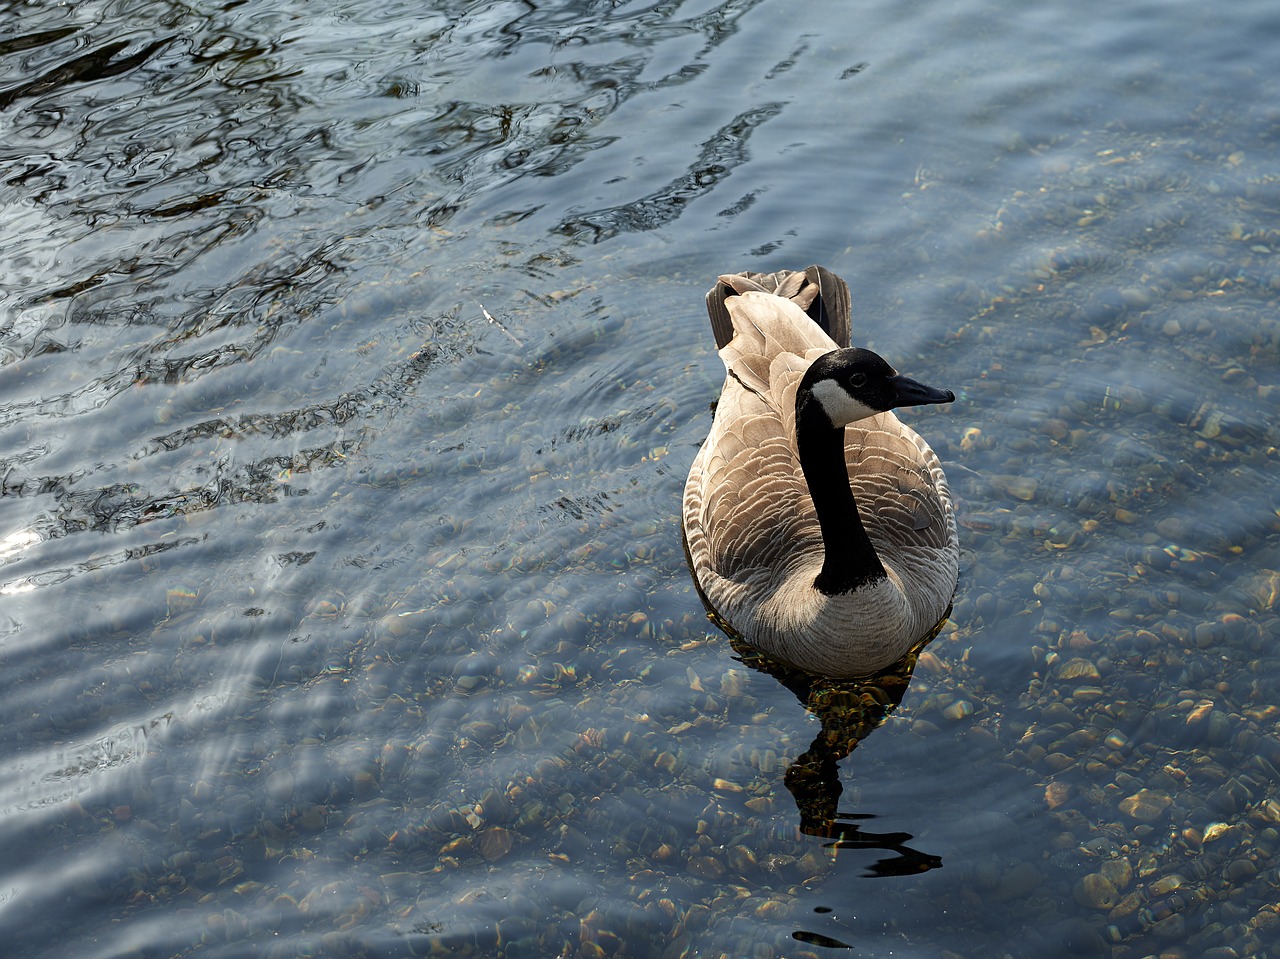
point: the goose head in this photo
(851, 384)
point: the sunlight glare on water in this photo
(352, 359)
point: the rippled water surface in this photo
(352, 357)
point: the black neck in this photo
(850, 560)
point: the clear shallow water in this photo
(337, 619)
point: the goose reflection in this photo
(849, 710)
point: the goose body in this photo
(818, 526)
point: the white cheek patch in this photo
(840, 407)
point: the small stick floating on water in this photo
(494, 320)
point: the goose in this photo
(818, 527)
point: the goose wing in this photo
(901, 491)
(746, 504)
(755, 507)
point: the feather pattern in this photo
(751, 527)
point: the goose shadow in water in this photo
(849, 711)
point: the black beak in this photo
(909, 392)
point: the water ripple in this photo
(351, 359)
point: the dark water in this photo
(352, 360)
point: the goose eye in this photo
(858, 380)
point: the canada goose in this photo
(818, 527)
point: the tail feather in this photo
(816, 290)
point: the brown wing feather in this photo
(896, 482)
(752, 490)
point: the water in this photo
(353, 358)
